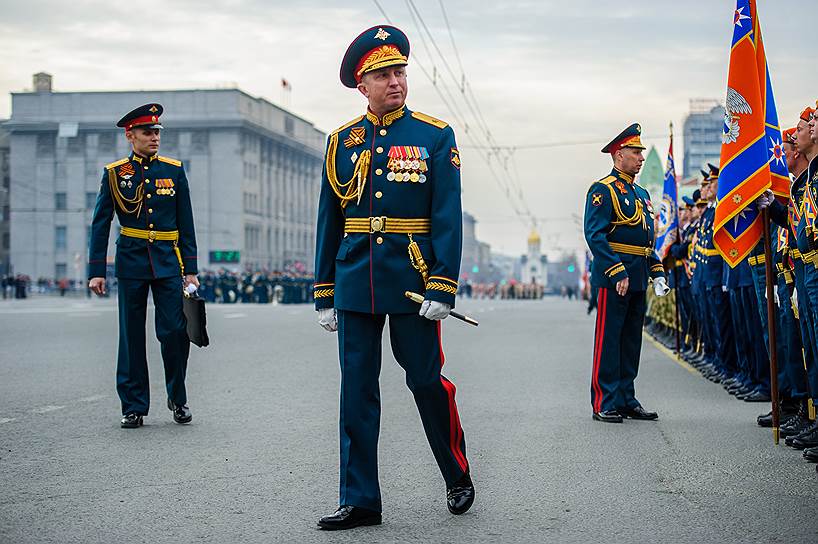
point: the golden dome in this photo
(534, 237)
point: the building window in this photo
(5, 240)
(200, 140)
(45, 144)
(60, 201)
(61, 270)
(90, 200)
(106, 142)
(289, 125)
(60, 235)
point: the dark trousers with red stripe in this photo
(171, 331)
(617, 346)
(416, 344)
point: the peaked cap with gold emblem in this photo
(375, 48)
(630, 137)
(147, 116)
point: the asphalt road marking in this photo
(6, 420)
(92, 398)
(46, 409)
(670, 354)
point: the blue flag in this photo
(668, 209)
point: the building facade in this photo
(703, 128)
(475, 264)
(5, 204)
(254, 171)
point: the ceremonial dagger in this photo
(414, 297)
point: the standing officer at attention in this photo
(156, 247)
(620, 233)
(389, 221)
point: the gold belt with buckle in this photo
(388, 225)
(150, 235)
(630, 249)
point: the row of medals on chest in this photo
(403, 170)
(161, 191)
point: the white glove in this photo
(795, 298)
(765, 199)
(777, 299)
(434, 311)
(190, 289)
(327, 319)
(660, 287)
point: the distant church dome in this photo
(534, 237)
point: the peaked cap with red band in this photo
(630, 137)
(375, 48)
(143, 116)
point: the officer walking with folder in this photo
(156, 247)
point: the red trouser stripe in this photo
(455, 430)
(601, 307)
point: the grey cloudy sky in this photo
(542, 71)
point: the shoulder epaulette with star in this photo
(117, 163)
(607, 180)
(168, 160)
(349, 124)
(429, 119)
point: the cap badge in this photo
(381, 34)
(153, 109)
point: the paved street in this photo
(259, 461)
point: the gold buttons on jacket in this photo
(379, 149)
(147, 181)
(146, 167)
(383, 132)
(378, 194)
(378, 172)
(150, 210)
(379, 240)
(150, 226)
(148, 195)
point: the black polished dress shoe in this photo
(806, 439)
(811, 455)
(130, 421)
(794, 426)
(349, 517)
(181, 413)
(608, 416)
(638, 413)
(757, 396)
(460, 496)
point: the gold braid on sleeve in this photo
(348, 191)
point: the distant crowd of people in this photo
(260, 287)
(15, 286)
(509, 290)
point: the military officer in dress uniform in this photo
(156, 247)
(620, 233)
(389, 221)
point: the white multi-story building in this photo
(254, 171)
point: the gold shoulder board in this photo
(607, 180)
(356, 120)
(168, 160)
(117, 163)
(429, 119)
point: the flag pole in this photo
(678, 240)
(771, 323)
